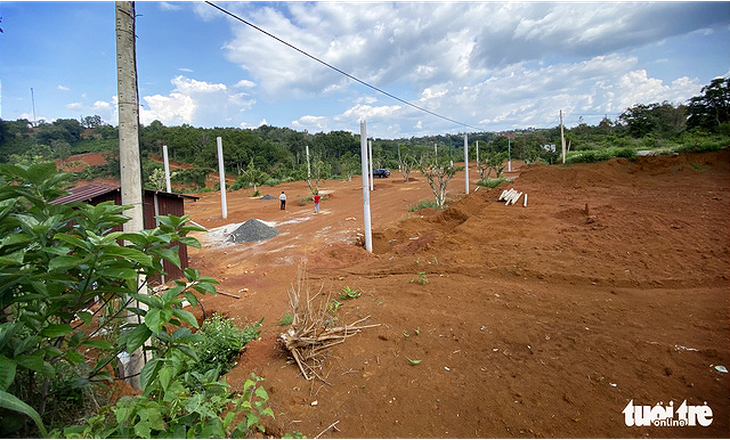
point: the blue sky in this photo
(493, 65)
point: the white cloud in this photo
(312, 123)
(174, 109)
(167, 6)
(185, 69)
(197, 103)
(501, 64)
(74, 106)
(245, 84)
(360, 112)
(102, 106)
(63, 88)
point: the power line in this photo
(340, 71)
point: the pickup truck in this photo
(382, 173)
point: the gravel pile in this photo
(267, 197)
(252, 230)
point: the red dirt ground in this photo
(542, 321)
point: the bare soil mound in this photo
(79, 162)
(611, 286)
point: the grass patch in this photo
(493, 183)
(589, 156)
(286, 320)
(423, 204)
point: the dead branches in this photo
(312, 331)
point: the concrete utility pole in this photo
(466, 162)
(370, 162)
(222, 174)
(168, 187)
(32, 101)
(309, 167)
(130, 166)
(365, 187)
(562, 135)
(509, 154)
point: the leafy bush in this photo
(193, 176)
(220, 343)
(625, 152)
(174, 411)
(56, 350)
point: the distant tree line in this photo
(702, 123)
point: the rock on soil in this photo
(253, 230)
(267, 197)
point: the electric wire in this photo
(340, 71)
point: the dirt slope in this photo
(542, 321)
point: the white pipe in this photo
(508, 194)
(365, 187)
(515, 198)
(502, 195)
(222, 172)
(167, 169)
(524, 205)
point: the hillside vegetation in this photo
(278, 154)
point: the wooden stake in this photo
(229, 294)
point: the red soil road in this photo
(542, 321)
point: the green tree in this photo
(711, 109)
(491, 161)
(252, 176)
(438, 171)
(406, 164)
(320, 171)
(659, 120)
(349, 165)
(92, 122)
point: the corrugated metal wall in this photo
(166, 204)
(163, 204)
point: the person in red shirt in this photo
(316, 203)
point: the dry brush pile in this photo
(313, 330)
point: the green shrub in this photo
(492, 183)
(625, 152)
(221, 342)
(423, 204)
(180, 408)
(193, 176)
(54, 352)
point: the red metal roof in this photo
(91, 190)
(86, 192)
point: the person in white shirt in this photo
(282, 197)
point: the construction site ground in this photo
(611, 286)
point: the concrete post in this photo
(168, 187)
(365, 187)
(129, 157)
(222, 173)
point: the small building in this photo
(155, 203)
